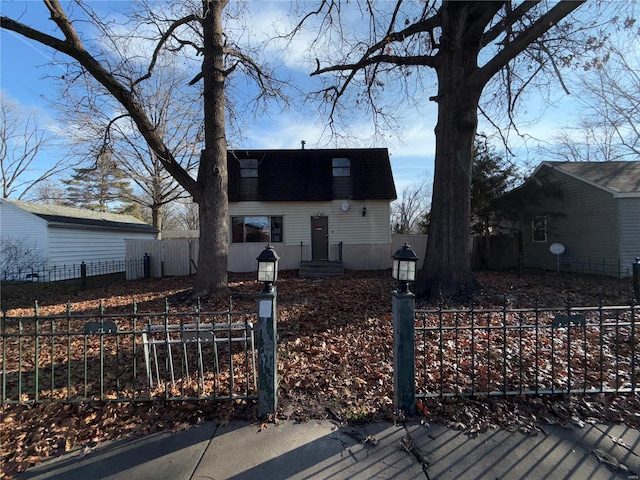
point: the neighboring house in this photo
(311, 205)
(594, 214)
(65, 235)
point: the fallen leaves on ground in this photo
(335, 361)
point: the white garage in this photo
(64, 236)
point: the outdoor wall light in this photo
(364, 211)
(404, 266)
(268, 267)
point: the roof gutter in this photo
(126, 228)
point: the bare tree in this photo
(184, 27)
(94, 130)
(22, 141)
(47, 192)
(608, 124)
(613, 92)
(182, 215)
(409, 211)
(468, 44)
(20, 257)
(591, 139)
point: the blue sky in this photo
(23, 72)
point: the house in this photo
(313, 206)
(587, 221)
(65, 235)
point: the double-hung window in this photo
(341, 167)
(256, 229)
(249, 168)
(540, 229)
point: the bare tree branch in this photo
(163, 39)
(72, 46)
(22, 140)
(525, 38)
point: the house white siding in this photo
(76, 245)
(365, 240)
(18, 226)
(629, 218)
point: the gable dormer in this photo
(341, 177)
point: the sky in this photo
(24, 72)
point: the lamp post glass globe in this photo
(404, 270)
(404, 266)
(268, 266)
(267, 272)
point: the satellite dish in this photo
(556, 248)
(345, 206)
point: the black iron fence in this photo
(82, 270)
(573, 264)
(128, 357)
(199, 354)
(527, 351)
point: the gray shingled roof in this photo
(78, 216)
(617, 177)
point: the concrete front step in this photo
(318, 268)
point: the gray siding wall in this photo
(588, 230)
(629, 218)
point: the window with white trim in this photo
(256, 229)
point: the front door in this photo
(319, 238)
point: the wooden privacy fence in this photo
(177, 257)
(418, 244)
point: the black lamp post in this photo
(268, 267)
(267, 333)
(404, 267)
(403, 313)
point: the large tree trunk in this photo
(447, 267)
(212, 199)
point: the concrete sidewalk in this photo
(321, 450)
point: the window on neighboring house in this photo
(249, 168)
(540, 229)
(256, 229)
(341, 167)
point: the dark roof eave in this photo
(98, 225)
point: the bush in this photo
(20, 259)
